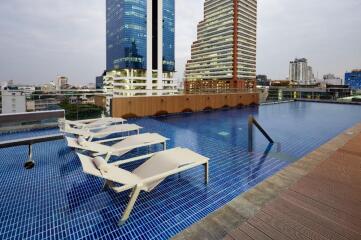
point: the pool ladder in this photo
(252, 122)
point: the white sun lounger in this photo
(147, 176)
(120, 148)
(94, 123)
(101, 133)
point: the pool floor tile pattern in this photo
(56, 200)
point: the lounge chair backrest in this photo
(113, 173)
(163, 162)
(89, 146)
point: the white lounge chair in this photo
(93, 123)
(147, 176)
(101, 133)
(118, 149)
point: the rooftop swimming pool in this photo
(57, 200)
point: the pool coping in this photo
(220, 223)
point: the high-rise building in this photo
(310, 75)
(99, 82)
(140, 47)
(61, 82)
(224, 54)
(300, 71)
(353, 79)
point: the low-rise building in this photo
(262, 80)
(319, 91)
(331, 79)
(27, 89)
(12, 102)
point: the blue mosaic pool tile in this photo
(56, 200)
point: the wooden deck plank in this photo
(330, 230)
(337, 216)
(297, 224)
(343, 168)
(228, 237)
(347, 185)
(238, 234)
(253, 232)
(317, 191)
(273, 227)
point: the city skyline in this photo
(69, 41)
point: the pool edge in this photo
(219, 223)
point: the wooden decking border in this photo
(262, 212)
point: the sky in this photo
(41, 39)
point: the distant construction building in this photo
(224, 54)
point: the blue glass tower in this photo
(128, 35)
(168, 36)
(353, 79)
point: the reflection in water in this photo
(185, 138)
(255, 171)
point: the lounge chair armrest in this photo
(173, 172)
(122, 162)
(118, 150)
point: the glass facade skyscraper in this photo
(140, 46)
(127, 34)
(168, 36)
(353, 79)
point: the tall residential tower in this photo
(140, 47)
(224, 54)
(301, 72)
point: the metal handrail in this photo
(252, 121)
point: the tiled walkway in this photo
(318, 197)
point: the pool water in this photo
(57, 200)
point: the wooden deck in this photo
(321, 199)
(324, 204)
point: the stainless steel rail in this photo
(252, 122)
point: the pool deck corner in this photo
(315, 196)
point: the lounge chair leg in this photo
(107, 184)
(206, 173)
(130, 205)
(165, 146)
(108, 156)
